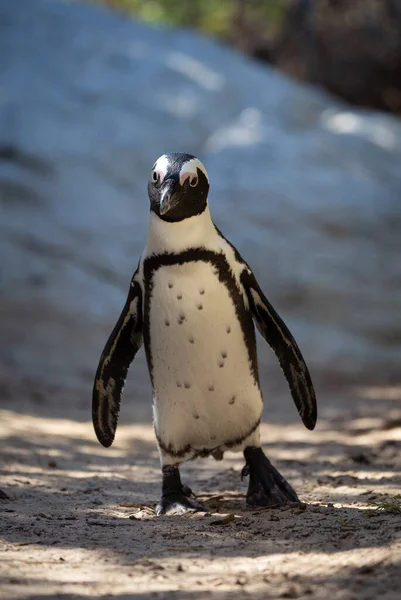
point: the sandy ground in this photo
(79, 520)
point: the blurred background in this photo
(351, 48)
(305, 176)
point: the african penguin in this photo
(192, 302)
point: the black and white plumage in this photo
(192, 301)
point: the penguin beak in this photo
(167, 197)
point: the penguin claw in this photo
(245, 472)
(267, 487)
(177, 504)
(3, 495)
(188, 492)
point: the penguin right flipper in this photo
(280, 339)
(119, 351)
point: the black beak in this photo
(167, 197)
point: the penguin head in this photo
(178, 187)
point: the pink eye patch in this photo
(193, 178)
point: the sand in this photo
(79, 519)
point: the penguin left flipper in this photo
(280, 339)
(119, 351)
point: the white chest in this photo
(204, 391)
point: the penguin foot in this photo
(187, 491)
(175, 498)
(177, 504)
(266, 485)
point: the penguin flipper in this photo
(280, 339)
(119, 351)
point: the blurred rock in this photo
(350, 47)
(306, 188)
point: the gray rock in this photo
(307, 188)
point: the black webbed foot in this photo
(266, 485)
(175, 496)
(177, 504)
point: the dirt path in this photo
(79, 520)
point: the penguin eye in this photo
(155, 176)
(193, 182)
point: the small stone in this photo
(200, 306)
(291, 592)
(211, 388)
(221, 364)
(187, 385)
(232, 400)
(224, 354)
(167, 323)
(201, 291)
(170, 284)
(228, 329)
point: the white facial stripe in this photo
(161, 167)
(189, 169)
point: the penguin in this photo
(192, 303)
